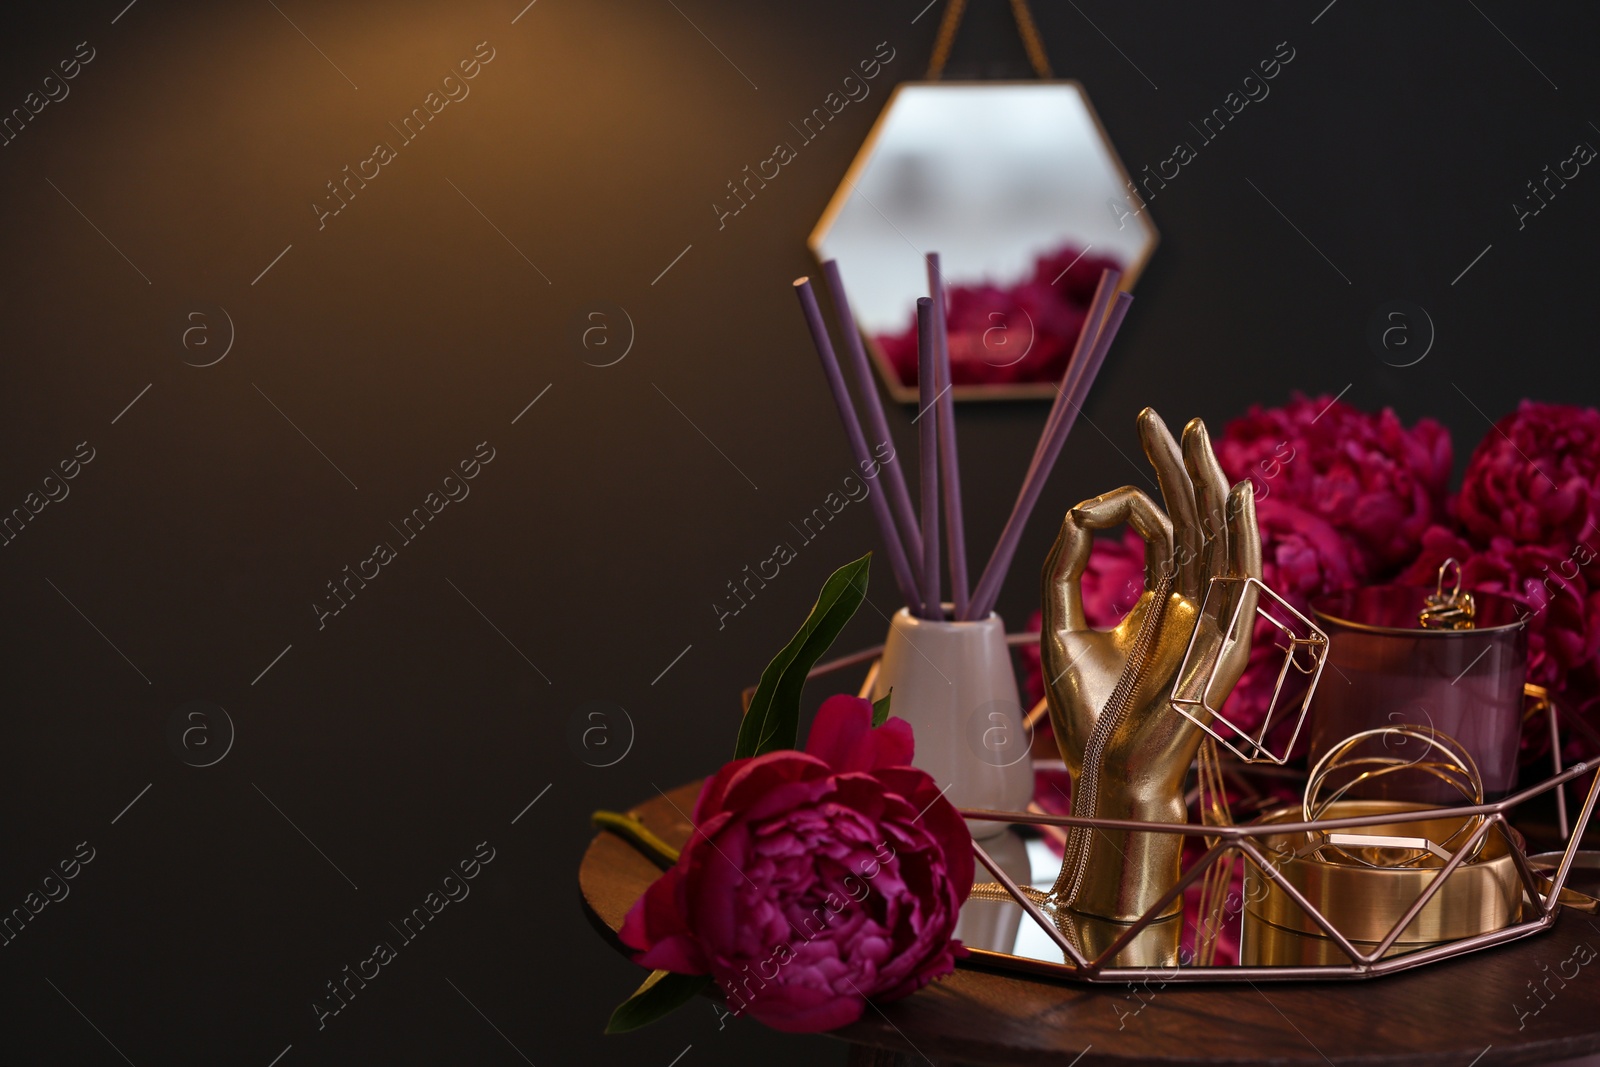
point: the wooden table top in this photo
(1461, 1012)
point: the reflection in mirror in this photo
(1018, 189)
(992, 921)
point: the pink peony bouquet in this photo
(1525, 528)
(1345, 498)
(1367, 476)
(814, 879)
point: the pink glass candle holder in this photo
(1385, 669)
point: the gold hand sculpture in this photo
(1109, 691)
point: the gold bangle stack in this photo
(1363, 879)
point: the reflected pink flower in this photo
(1002, 334)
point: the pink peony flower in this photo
(1302, 555)
(1024, 333)
(1302, 558)
(814, 880)
(1367, 476)
(1563, 613)
(1582, 738)
(1535, 478)
(1114, 580)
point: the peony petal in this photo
(714, 882)
(943, 963)
(750, 779)
(940, 820)
(680, 955)
(796, 1009)
(655, 924)
(655, 914)
(781, 765)
(716, 787)
(843, 737)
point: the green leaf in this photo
(636, 834)
(773, 718)
(880, 709)
(662, 993)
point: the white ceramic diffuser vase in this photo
(954, 684)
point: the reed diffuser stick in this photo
(1078, 390)
(928, 460)
(893, 470)
(949, 463)
(1093, 323)
(858, 442)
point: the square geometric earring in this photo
(1305, 648)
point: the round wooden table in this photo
(1463, 1012)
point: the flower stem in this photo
(636, 834)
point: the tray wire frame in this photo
(1241, 841)
(1192, 697)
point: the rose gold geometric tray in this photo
(1539, 910)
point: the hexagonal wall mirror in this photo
(1019, 190)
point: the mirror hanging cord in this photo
(1026, 29)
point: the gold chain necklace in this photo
(1086, 790)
